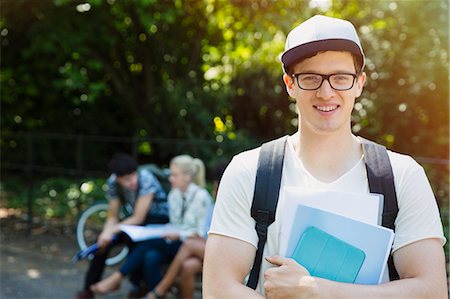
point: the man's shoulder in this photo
(111, 180)
(146, 176)
(404, 168)
(402, 162)
(252, 154)
(144, 172)
(246, 160)
(112, 188)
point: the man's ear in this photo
(289, 83)
(360, 84)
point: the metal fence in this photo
(48, 153)
(33, 156)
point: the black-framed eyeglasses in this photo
(312, 81)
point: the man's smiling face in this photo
(325, 110)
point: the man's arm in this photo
(112, 219)
(227, 262)
(140, 211)
(111, 226)
(421, 266)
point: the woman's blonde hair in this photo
(191, 166)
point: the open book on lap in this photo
(139, 233)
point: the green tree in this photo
(209, 69)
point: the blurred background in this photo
(81, 80)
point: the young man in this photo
(323, 63)
(142, 196)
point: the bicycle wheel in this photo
(90, 225)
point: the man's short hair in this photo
(356, 62)
(319, 34)
(122, 164)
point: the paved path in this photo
(38, 266)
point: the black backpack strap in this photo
(381, 181)
(265, 197)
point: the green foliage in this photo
(139, 64)
(406, 98)
(209, 70)
(56, 197)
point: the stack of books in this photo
(336, 235)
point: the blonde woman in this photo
(189, 259)
(189, 203)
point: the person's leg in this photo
(196, 246)
(109, 284)
(138, 287)
(172, 272)
(188, 273)
(152, 271)
(97, 264)
(191, 247)
(95, 270)
(152, 264)
(134, 260)
(136, 257)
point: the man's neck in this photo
(328, 156)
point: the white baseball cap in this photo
(321, 33)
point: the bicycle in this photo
(89, 226)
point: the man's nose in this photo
(325, 91)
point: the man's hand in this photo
(288, 280)
(105, 238)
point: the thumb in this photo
(277, 260)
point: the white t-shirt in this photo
(418, 217)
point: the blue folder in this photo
(326, 256)
(83, 253)
(374, 240)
